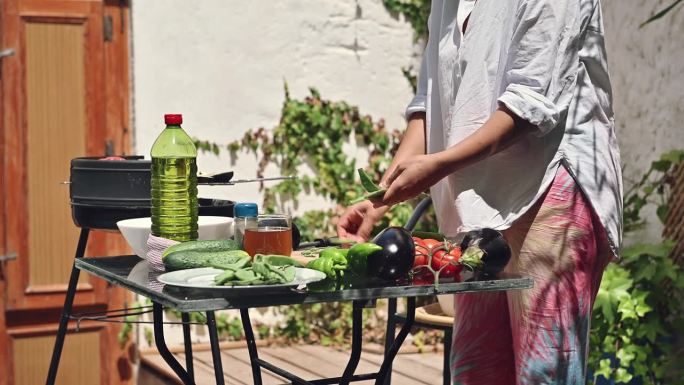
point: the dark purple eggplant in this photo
(495, 251)
(396, 257)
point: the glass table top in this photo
(135, 274)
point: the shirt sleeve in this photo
(418, 103)
(542, 62)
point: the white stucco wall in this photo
(647, 68)
(223, 63)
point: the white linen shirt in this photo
(545, 60)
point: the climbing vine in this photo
(416, 12)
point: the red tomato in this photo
(421, 259)
(418, 242)
(423, 279)
(447, 261)
(432, 243)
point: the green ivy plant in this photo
(328, 127)
(416, 12)
(638, 311)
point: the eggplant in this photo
(396, 257)
(495, 251)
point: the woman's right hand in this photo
(358, 220)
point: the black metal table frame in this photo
(187, 374)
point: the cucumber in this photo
(179, 260)
(202, 246)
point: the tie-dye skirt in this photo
(536, 336)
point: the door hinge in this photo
(108, 28)
(3, 259)
(7, 52)
(109, 147)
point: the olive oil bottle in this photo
(174, 183)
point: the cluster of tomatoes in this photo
(442, 256)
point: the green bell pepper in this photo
(357, 259)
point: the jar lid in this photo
(245, 210)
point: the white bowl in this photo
(446, 302)
(137, 230)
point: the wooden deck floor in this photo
(307, 361)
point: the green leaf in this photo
(604, 369)
(661, 165)
(662, 211)
(623, 376)
(662, 13)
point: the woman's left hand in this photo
(413, 176)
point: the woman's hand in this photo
(413, 176)
(358, 220)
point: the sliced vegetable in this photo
(367, 182)
(370, 195)
(226, 265)
(277, 260)
(263, 270)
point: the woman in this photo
(512, 128)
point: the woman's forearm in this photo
(501, 130)
(412, 144)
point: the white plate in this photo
(203, 278)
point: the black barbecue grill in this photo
(103, 192)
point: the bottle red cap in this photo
(173, 119)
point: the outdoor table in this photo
(135, 274)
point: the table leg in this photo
(357, 329)
(251, 346)
(66, 310)
(394, 349)
(158, 318)
(215, 348)
(389, 334)
(187, 340)
(446, 371)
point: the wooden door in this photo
(64, 94)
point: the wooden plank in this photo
(415, 369)
(307, 361)
(433, 360)
(156, 364)
(56, 133)
(204, 368)
(340, 359)
(236, 363)
(35, 353)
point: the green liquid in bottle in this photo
(174, 186)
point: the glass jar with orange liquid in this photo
(271, 234)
